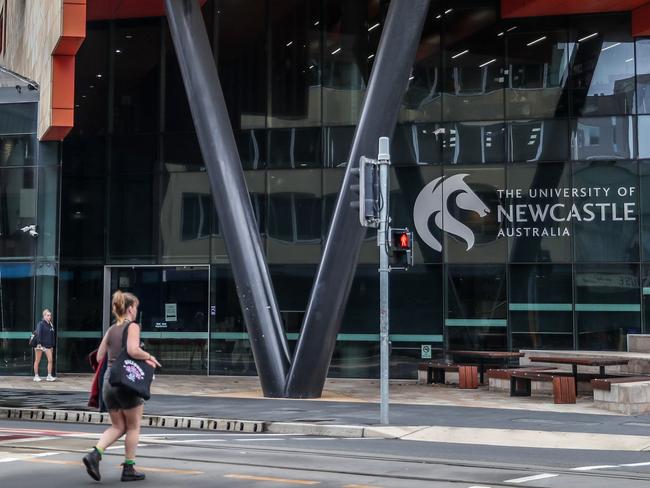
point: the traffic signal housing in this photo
(364, 184)
(400, 251)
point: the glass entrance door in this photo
(173, 312)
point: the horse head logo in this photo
(435, 198)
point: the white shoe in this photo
(37, 378)
(50, 378)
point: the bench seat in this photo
(606, 383)
(436, 372)
(563, 386)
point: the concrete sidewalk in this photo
(349, 408)
(403, 392)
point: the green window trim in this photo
(541, 307)
(608, 307)
(476, 323)
(341, 337)
(15, 335)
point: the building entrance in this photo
(173, 312)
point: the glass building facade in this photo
(544, 121)
(29, 198)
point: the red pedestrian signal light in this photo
(404, 240)
(400, 248)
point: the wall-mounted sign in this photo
(425, 351)
(170, 312)
(448, 203)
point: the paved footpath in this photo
(439, 421)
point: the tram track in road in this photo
(504, 471)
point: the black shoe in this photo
(91, 460)
(130, 474)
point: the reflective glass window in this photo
(476, 307)
(295, 210)
(351, 36)
(338, 142)
(603, 78)
(295, 148)
(473, 142)
(19, 118)
(644, 203)
(606, 220)
(243, 58)
(541, 306)
(230, 350)
(136, 52)
(131, 232)
(642, 75)
(422, 101)
(186, 211)
(295, 51)
(17, 150)
(537, 73)
(16, 319)
(607, 305)
(534, 214)
(417, 144)
(538, 140)
(18, 204)
(474, 63)
(603, 138)
(80, 317)
(408, 185)
(92, 81)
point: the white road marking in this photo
(186, 441)
(257, 439)
(635, 464)
(479, 486)
(26, 457)
(591, 468)
(526, 479)
(122, 447)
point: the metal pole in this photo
(230, 194)
(384, 318)
(389, 78)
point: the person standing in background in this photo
(44, 343)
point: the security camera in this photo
(18, 88)
(31, 229)
(31, 87)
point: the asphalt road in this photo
(36, 454)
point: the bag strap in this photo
(125, 335)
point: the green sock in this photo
(129, 462)
(99, 450)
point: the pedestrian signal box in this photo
(400, 250)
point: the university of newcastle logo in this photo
(434, 200)
(519, 213)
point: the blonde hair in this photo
(121, 302)
(46, 310)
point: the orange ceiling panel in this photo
(126, 9)
(538, 8)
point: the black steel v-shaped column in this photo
(230, 194)
(388, 80)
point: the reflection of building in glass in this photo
(545, 103)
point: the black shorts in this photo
(119, 398)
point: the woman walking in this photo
(124, 407)
(44, 344)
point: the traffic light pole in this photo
(384, 319)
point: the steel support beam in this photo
(230, 194)
(388, 81)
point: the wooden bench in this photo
(563, 386)
(606, 383)
(467, 374)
